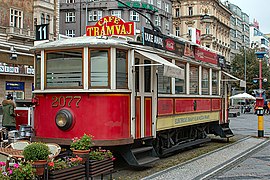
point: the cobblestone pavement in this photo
(248, 159)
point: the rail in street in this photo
(210, 164)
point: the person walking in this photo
(8, 119)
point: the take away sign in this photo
(111, 25)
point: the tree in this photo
(252, 69)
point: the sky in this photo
(258, 9)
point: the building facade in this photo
(239, 32)
(16, 38)
(210, 17)
(76, 15)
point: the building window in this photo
(149, 17)
(121, 69)
(99, 68)
(95, 15)
(177, 12)
(151, 2)
(70, 73)
(157, 21)
(207, 29)
(16, 18)
(159, 4)
(167, 7)
(205, 81)
(70, 17)
(180, 84)
(70, 1)
(177, 31)
(190, 11)
(134, 16)
(70, 33)
(116, 13)
(48, 19)
(42, 18)
(167, 25)
(194, 80)
(214, 82)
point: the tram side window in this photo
(215, 82)
(99, 65)
(164, 83)
(64, 69)
(194, 80)
(180, 84)
(205, 81)
(137, 75)
(121, 69)
(147, 76)
(37, 70)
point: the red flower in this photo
(51, 164)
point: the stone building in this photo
(73, 14)
(16, 38)
(210, 17)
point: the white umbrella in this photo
(243, 96)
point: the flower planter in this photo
(76, 172)
(101, 167)
(81, 153)
(39, 166)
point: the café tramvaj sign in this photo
(111, 25)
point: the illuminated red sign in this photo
(205, 56)
(111, 25)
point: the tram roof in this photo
(82, 41)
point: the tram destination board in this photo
(42, 32)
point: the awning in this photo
(170, 69)
(233, 78)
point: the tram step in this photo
(223, 131)
(142, 149)
(147, 160)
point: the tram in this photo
(141, 100)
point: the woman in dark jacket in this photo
(8, 120)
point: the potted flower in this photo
(18, 171)
(100, 162)
(81, 146)
(67, 166)
(38, 154)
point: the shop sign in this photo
(138, 5)
(11, 69)
(205, 56)
(111, 25)
(15, 86)
(161, 41)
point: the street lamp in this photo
(260, 100)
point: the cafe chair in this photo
(55, 150)
(19, 145)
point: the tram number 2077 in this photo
(63, 101)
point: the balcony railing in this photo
(27, 33)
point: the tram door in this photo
(145, 98)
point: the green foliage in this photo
(23, 171)
(64, 163)
(36, 151)
(100, 154)
(83, 143)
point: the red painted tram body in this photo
(120, 93)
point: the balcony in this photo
(20, 33)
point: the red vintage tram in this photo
(141, 100)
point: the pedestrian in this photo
(8, 119)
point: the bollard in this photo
(260, 122)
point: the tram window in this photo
(64, 69)
(194, 80)
(205, 81)
(37, 70)
(164, 83)
(215, 82)
(180, 84)
(121, 69)
(99, 63)
(137, 75)
(147, 76)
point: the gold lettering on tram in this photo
(63, 101)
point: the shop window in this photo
(99, 68)
(194, 80)
(214, 82)
(64, 69)
(205, 81)
(121, 69)
(147, 76)
(164, 83)
(180, 84)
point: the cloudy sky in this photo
(258, 9)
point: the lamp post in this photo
(260, 100)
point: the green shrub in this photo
(36, 151)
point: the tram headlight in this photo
(64, 119)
